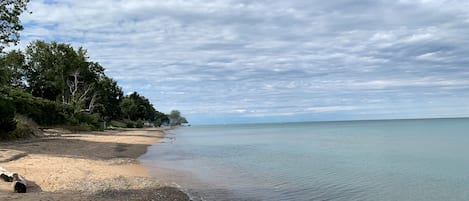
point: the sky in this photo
(247, 61)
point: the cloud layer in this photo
(237, 60)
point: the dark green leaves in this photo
(10, 24)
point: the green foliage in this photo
(175, 118)
(7, 115)
(12, 67)
(135, 107)
(80, 127)
(10, 24)
(56, 71)
(3, 75)
(130, 124)
(109, 98)
(118, 124)
(159, 122)
(160, 119)
(92, 120)
(50, 113)
(55, 84)
(139, 124)
(25, 128)
(42, 111)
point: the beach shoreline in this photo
(85, 166)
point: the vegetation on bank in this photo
(54, 84)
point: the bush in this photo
(91, 119)
(25, 127)
(7, 117)
(42, 111)
(118, 124)
(80, 127)
(139, 124)
(22, 131)
(130, 124)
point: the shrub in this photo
(81, 127)
(118, 124)
(7, 117)
(22, 130)
(91, 119)
(130, 124)
(42, 111)
(139, 124)
(25, 127)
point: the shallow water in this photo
(419, 160)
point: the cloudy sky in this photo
(232, 61)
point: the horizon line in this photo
(331, 121)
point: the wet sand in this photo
(85, 166)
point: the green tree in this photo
(175, 118)
(10, 24)
(3, 76)
(12, 67)
(128, 107)
(135, 107)
(160, 119)
(132, 108)
(48, 66)
(109, 96)
(58, 72)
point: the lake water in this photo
(392, 160)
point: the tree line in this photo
(71, 84)
(53, 83)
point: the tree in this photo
(183, 120)
(58, 72)
(3, 76)
(135, 107)
(161, 119)
(175, 118)
(12, 67)
(79, 92)
(48, 66)
(109, 96)
(10, 24)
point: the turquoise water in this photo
(395, 160)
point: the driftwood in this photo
(18, 182)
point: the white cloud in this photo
(268, 58)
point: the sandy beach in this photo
(85, 166)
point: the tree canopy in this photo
(12, 67)
(57, 71)
(55, 83)
(135, 107)
(175, 118)
(10, 24)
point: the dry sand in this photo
(85, 166)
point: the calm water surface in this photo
(418, 160)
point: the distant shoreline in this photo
(86, 166)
